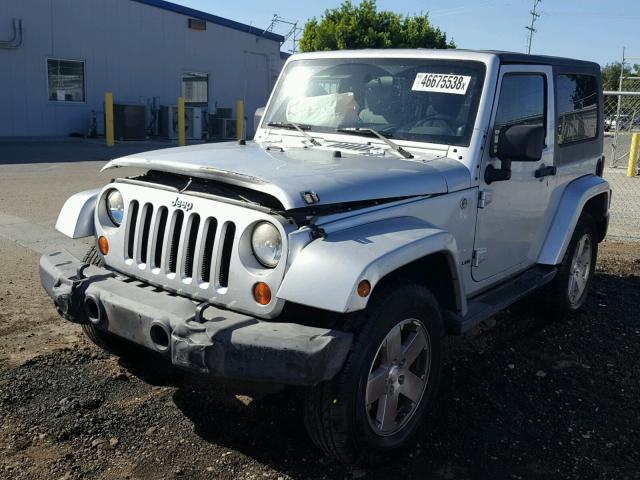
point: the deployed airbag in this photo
(332, 110)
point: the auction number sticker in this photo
(440, 82)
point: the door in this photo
(512, 213)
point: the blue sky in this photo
(587, 29)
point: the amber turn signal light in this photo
(262, 293)
(364, 288)
(103, 245)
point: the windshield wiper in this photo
(300, 128)
(370, 132)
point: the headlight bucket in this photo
(266, 244)
(115, 206)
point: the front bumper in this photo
(201, 337)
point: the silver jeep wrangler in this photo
(389, 199)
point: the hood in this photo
(288, 175)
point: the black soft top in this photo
(562, 62)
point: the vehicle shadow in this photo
(262, 422)
(513, 392)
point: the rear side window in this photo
(521, 102)
(577, 101)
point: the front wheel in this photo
(379, 399)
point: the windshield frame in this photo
(481, 67)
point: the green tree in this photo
(363, 26)
(611, 75)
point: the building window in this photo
(577, 99)
(195, 88)
(66, 80)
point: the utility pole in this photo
(534, 16)
(614, 144)
(293, 32)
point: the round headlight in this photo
(115, 207)
(266, 243)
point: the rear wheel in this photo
(569, 290)
(378, 401)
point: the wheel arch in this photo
(326, 273)
(76, 218)
(436, 272)
(586, 194)
(598, 208)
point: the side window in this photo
(577, 100)
(521, 102)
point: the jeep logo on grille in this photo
(183, 204)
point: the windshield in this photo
(407, 99)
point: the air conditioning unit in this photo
(222, 128)
(129, 122)
(169, 122)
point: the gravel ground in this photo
(625, 205)
(521, 398)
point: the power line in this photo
(576, 14)
(534, 16)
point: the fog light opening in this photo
(92, 309)
(159, 336)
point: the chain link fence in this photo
(624, 209)
(621, 119)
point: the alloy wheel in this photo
(398, 377)
(580, 270)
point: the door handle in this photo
(545, 171)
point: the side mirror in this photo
(257, 117)
(521, 143)
(516, 143)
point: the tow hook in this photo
(200, 309)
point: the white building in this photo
(59, 57)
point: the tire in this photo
(336, 413)
(564, 295)
(102, 338)
(92, 257)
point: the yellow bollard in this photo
(240, 119)
(181, 127)
(632, 169)
(108, 119)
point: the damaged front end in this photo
(195, 336)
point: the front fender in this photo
(574, 198)
(326, 273)
(76, 217)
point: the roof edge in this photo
(209, 17)
(456, 53)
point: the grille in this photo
(179, 245)
(203, 253)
